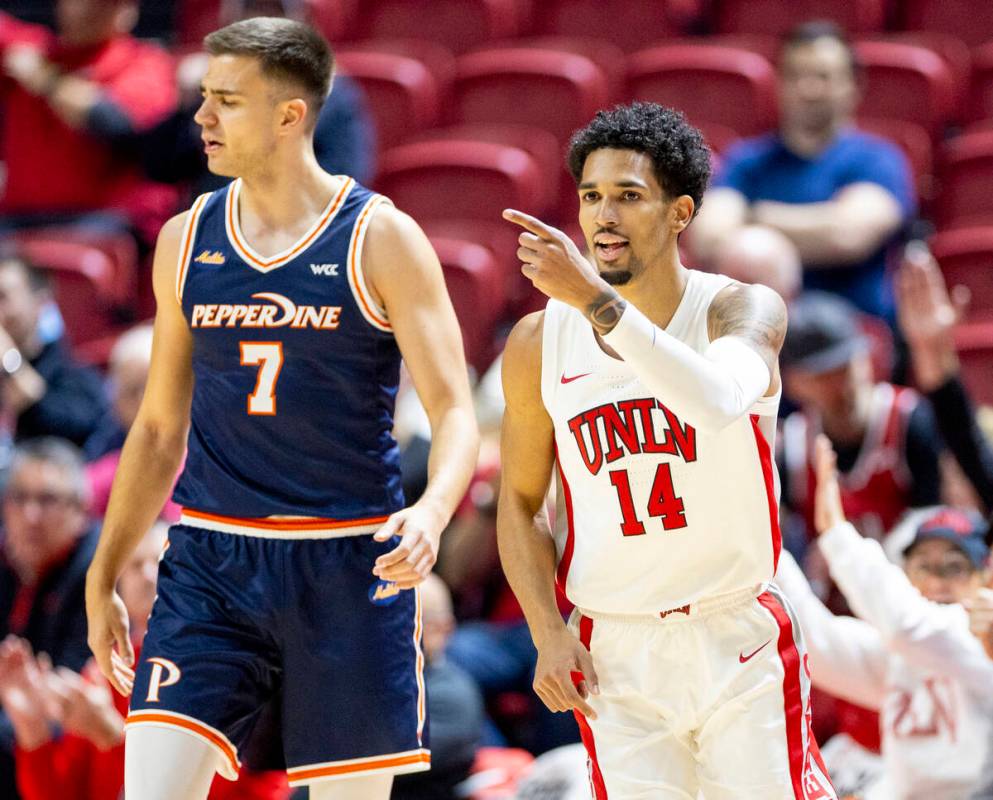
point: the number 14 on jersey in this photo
(662, 502)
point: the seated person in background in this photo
(927, 317)
(47, 546)
(909, 654)
(43, 390)
(841, 196)
(68, 101)
(755, 254)
(887, 443)
(69, 727)
(128, 373)
(455, 706)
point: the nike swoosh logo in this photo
(574, 377)
(751, 655)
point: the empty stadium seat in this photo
(965, 175)
(89, 286)
(333, 18)
(965, 256)
(975, 348)
(980, 99)
(628, 24)
(475, 283)
(969, 20)
(724, 87)
(438, 59)
(439, 180)
(458, 24)
(907, 82)
(777, 17)
(402, 93)
(551, 89)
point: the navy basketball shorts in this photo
(290, 641)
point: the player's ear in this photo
(681, 212)
(292, 114)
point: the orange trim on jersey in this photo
(418, 630)
(277, 261)
(305, 774)
(302, 524)
(187, 247)
(357, 241)
(215, 738)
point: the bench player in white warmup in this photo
(651, 391)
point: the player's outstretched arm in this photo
(527, 551)
(709, 390)
(405, 276)
(152, 454)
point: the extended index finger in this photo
(533, 224)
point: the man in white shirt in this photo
(910, 654)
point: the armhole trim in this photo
(186, 246)
(371, 310)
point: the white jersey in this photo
(912, 660)
(652, 513)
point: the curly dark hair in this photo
(681, 158)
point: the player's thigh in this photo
(375, 787)
(206, 666)
(354, 699)
(166, 763)
(757, 740)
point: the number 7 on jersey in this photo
(268, 356)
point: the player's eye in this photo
(631, 196)
(589, 197)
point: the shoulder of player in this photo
(522, 354)
(739, 306)
(396, 250)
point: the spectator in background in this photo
(455, 706)
(69, 101)
(48, 544)
(910, 654)
(755, 254)
(43, 390)
(69, 727)
(344, 139)
(130, 359)
(885, 436)
(842, 196)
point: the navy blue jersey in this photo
(295, 368)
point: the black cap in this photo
(824, 333)
(967, 530)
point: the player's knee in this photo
(167, 764)
(375, 787)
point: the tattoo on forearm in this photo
(747, 315)
(604, 312)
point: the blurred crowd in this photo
(98, 144)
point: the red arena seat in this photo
(402, 93)
(728, 87)
(969, 20)
(438, 180)
(965, 256)
(554, 90)
(628, 24)
(777, 17)
(965, 175)
(980, 100)
(907, 82)
(458, 24)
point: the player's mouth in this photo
(609, 246)
(211, 145)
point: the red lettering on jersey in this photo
(621, 435)
(932, 712)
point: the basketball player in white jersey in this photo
(650, 390)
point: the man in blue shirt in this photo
(842, 196)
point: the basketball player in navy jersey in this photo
(285, 302)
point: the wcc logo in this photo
(164, 673)
(327, 270)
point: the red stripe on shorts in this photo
(598, 787)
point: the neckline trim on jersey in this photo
(256, 261)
